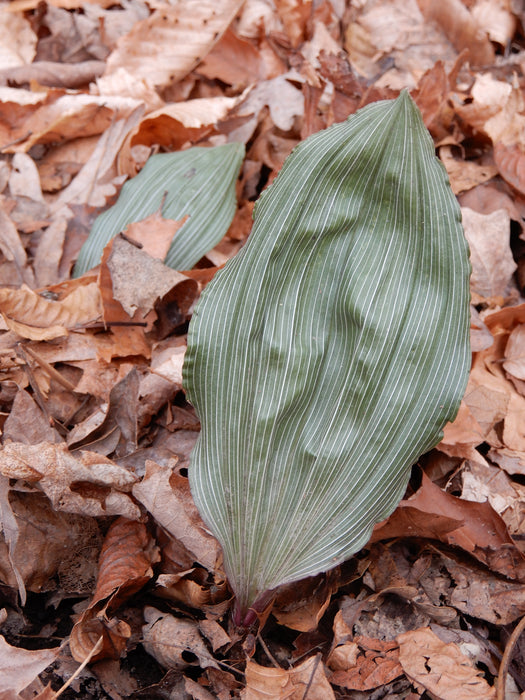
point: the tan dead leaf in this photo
(12, 249)
(95, 182)
(490, 254)
(87, 484)
(484, 482)
(139, 280)
(512, 461)
(70, 117)
(49, 250)
(48, 543)
(441, 668)
(294, 15)
(214, 633)
(465, 174)
(125, 562)
(33, 316)
(276, 683)
(377, 665)
(166, 495)
(154, 234)
(474, 527)
(167, 637)
(510, 160)
(54, 74)
(17, 40)
(234, 61)
(461, 28)
(24, 179)
(283, 99)
(515, 352)
(19, 667)
(166, 46)
(496, 18)
(302, 604)
(176, 124)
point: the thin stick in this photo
(95, 650)
(507, 658)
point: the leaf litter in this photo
(104, 557)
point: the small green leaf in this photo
(199, 182)
(327, 356)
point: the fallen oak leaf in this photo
(307, 679)
(33, 316)
(19, 667)
(479, 530)
(377, 664)
(87, 484)
(125, 562)
(441, 668)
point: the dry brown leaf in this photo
(48, 543)
(234, 61)
(87, 484)
(492, 262)
(166, 46)
(175, 125)
(139, 280)
(377, 665)
(464, 175)
(294, 15)
(496, 18)
(478, 529)
(515, 352)
(33, 316)
(95, 182)
(301, 605)
(17, 40)
(154, 234)
(69, 117)
(167, 637)
(125, 562)
(441, 668)
(461, 28)
(19, 667)
(166, 495)
(307, 678)
(12, 249)
(49, 250)
(54, 74)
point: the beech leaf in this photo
(198, 183)
(327, 356)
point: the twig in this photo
(267, 651)
(95, 650)
(507, 658)
(316, 664)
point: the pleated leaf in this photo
(327, 356)
(199, 182)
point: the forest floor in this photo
(111, 586)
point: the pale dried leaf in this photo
(515, 353)
(17, 40)
(19, 667)
(490, 254)
(166, 46)
(495, 17)
(33, 316)
(166, 495)
(441, 668)
(87, 484)
(167, 637)
(12, 248)
(24, 180)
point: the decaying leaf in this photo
(19, 667)
(441, 668)
(33, 316)
(321, 362)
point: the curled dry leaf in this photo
(474, 527)
(492, 262)
(125, 565)
(166, 46)
(441, 668)
(166, 495)
(17, 40)
(19, 667)
(461, 28)
(307, 679)
(33, 316)
(88, 484)
(167, 637)
(376, 665)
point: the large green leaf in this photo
(199, 182)
(327, 356)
